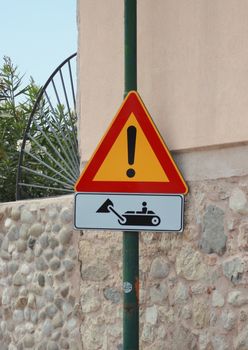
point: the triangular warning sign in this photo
(132, 157)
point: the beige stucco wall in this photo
(192, 69)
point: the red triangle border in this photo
(132, 104)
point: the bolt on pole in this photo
(130, 239)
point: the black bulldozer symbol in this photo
(144, 217)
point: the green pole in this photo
(130, 16)
(130, 239)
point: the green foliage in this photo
(50, 160)
(52, 138)
(16, 103)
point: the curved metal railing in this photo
(49, 160)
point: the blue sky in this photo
(37, 35)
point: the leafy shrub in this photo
(16, 104)
(50, 160)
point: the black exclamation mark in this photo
(131, 141)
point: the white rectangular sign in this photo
(128, 212)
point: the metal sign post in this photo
(130, 239)
(120, 189)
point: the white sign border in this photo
(128, 194)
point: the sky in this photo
(37, 35)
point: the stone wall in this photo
(39, 276)
(193, 286)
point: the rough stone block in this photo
(238, 201)
(190, 265)
(160, 268)
(213, 236)
(233, 269)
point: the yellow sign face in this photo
(145, 163)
